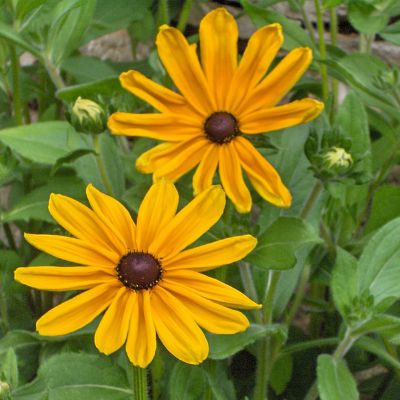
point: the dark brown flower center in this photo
(221, 127)
(139, 270)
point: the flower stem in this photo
(184, 15)
(54, 74)
(312, 198)
(298, 297)
(15, 67)
(139, 383)
(249, 286)
(264, 357)
(307, 22)
(322, 50)
(101, 166)
(162, 12)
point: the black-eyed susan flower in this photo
(220, 103)
(141, 275)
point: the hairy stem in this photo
(139, 383)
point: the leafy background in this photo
(327, 269)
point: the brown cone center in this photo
(139, 271)
(221, 127)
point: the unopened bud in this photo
(338, 157)
(4, 391)
(88, 116)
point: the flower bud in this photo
(337, 157)
(4, 391)
(88, 116)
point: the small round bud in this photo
(88, 116)
(338, 157)
(4, 390)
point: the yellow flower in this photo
(141, 274)
(220, 102)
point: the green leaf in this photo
(9, 367)
(380, 263)
(335, 381)
(379, 323)
(70, 20)
(392, 33)
(33, 206)
(10, 35)
(107, 86)
(17, 340)
(187, 382)
(294, 35)
(385, 207)
(281, 373)
(43, 142)
(278, 245)
(353, 120)
(223, 346)
(221, 386)
(344, 283)
(77, 376)
(366, 18)
(23, 7)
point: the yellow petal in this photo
(232, 180)
(182, 158)
(184, 68)
(63, 278)
(177, 329)
(157, 209)
(261, 50)
(157, 156)
(166, 127)
(73, 250)
(275, 118)
(81, 222)
(203, 177)
(218, 44)
(77, 312)
(212, 255)
(113, 327)
(161, 98)
(114, 215)
(278, 82)
(141, 344)
(209, 315)
(262, 174)
(210, 288)
(190, 223)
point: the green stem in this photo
(312, 198)
(363, 43)
(184, 16)
(9, 236)
(3, 310)
(162, 12)
(307, 23)
(54, 75)
(249, 286)
(300, 291)
(139, 383)
(101, 166)
(264, 357)
(334, 40)
(17, 102)
(322, 50)
(341, 350)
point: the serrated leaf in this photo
(379, 323)
(43, 142)
(223, 346)
(278, 245)
(335, 381)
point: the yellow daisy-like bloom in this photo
(220, 102)
(141, 274)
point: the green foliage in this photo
(335, 381)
